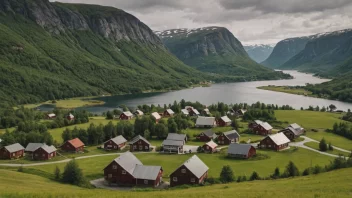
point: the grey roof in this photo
(239, 149)
(266, 126)
(279, 138)
(170, 111)
(156, 115)
(138, 137)
(128, 162)
(295, 126)
(185, 111)
(225, 119)
(139, 112)
(48, 149)
(210, 133)
(177, 137)
(118, 139)
(128, 113)
(173, 143)
(205, 121)
(232, 134)
(196, 166)
(33, 146)
(146, 172)
(14, 147)
(195, 111)
(258, 121)
(297, 132)
(212, 144)
(206, 111)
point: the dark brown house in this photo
(74, 145)
(206, 136)
(156, 116)
(12, 151)
(275, 142)
(70, 117)
(139, 143)
(126, 115)
(193, 112)
(209, 147)
(50, 116)
(31, 147)
(44, 152)
(244, 151)
(263, 128)
(254, 124)
(116, 143)
(193, 171)
(168, 113)
(229, 137)
(224, 121)
(127, 170)
(293, 131)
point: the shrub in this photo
(276, 173)
(306, 172)
(212, 180)
(291, 170)
(57, 173)
(317, 169)
(254, 176)
(72, 173)
(226, 174)
(331, 148)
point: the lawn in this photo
(332, 184)
(315, 146)
(289, 90)
(335, 140)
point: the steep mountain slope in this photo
(323, 52)
(285, 50)
(259, 53)
(213, 50)
(55, 50)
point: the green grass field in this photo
(332, 184)
(335, 140)
(315, 146)
(289, 90)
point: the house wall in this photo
(261, 131)
(222, 123)
(269, 144)
(150, 183)
(208, 149)
(4, 154)
(113, 173)
(140, 145)
(223, 140)
(186, 177)
(111, 145)
(41, 154)
(70, 148)
(172, 149)
(202, 137)
(124, 117)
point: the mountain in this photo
(54, 50)
(285, 50)
(259, 53)
(214, 50)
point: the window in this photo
(193, 180)
(123, 172)
(183, 170)
(114, 167)
(43, 155)
(109, 175)
(145, 181)
(140, 147)
(36, 155)
(134, 146)
(174, 179)
(13, 154)
(146, 147)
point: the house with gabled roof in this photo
(206, 136)
(139, 143)
(177, 137)
(127, 170)
(205, 112)
(228, 137)
(193, 112)
(261, 128)
(70, 117)
(51, 116)
(116, 143)
(127, 115)
(44, 152)
(12, 151)
(205, 122)
(138, 113)
(185, 112)
(191, 172)
(210, 147)
(168, 113)
(172, 146)
(275, 142)
(31, 147)
(254, 124)
(156, 116)
(293, 131)
(74, 145)
(244, 151)
(224, 121)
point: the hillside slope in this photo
(259, 53)
(54, 50)
(214, 50)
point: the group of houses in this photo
(128, 170)
(211, 122)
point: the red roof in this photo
(76, 143)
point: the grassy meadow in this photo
(315, 146)
(289, 90)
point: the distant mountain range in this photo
(260, 52)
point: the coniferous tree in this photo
(57, 173)
(291, 170)
(254, 176)
(322, 145)
(72, 173)
(227, 174)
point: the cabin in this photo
(191, 172)
(254, 124)
(31, 147)
(127, 115)
(138, 113)
(168, 113)
(74, 145)
(243, 151)
(206, 136)
(156, 116)
(44, 152)
(293, 131)
(205, 112)
(173, 146)
(51, 116)
(263, 128)
(240, 112)
(205, 122)
(229, 137)
(70, 117)
(193, 112)
(13, 151)
(116, 143)
(224, 121)
(177, 137)
(210, 147)
(274, 142)
(127, 170)
(139, 143)
(185, 112)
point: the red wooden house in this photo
(127, 170)
(139, 143)
(127, 115)
(293, 131)
(74, 145)
(229, 137)
(244, 151)
(31, 147)
(275, 142)
(138, 113)
(254, 124)
(193, 112)
(224, 121)
(51, 116)
(210, 147)
(156, 116)
(206, 136)
(44, 152)
(70, 117)
(168, 113)
(263, 128)
(12, 151)
(116, 143)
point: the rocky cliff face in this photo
(259, 53)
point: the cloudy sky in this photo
(251, 21)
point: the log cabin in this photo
(263, 128)
(13, 151)
(127, 115)
(229, 137)
(156, 116)
(44, 152)
(31, 147)
(139, 143)
(210, 147)
(293, 131)
(168, 113)
(243, 151)
(74, 145)
(275, 142)
(206, 136)
(191, 172)
(127, 170)
(205, 122)
(116, 143)
(224, 121)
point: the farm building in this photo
(116, 143)
(31, 147)
(205, 122)
(127, 115)
(263, 128)
(192, 172)
(205, 112)
(139, 143)
(224, 121)
(74, 145)
(210, 147)
(275, 142)
(156, 116)
(206, 136)
(44, 152)
(127, 170)
(12, 151)
(173, 146)
(51, 116)
(229, 137)
(169, 113)
(293, 131)
(138, 113)
(185, 112)
(241, 151)
(70, 117)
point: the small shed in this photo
(70, 117)
(138, 113)
(185, 112)
(156, 116)
(169, 113)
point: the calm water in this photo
(243, 92)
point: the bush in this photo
(212, 180)
(291, 170)
(226, 174)
(57, 173)
(254, 176)
(317, 169)
(20, 169)
(72, 173)
(276, 173)
(322, 145)
(306, 172)
(331, 148)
